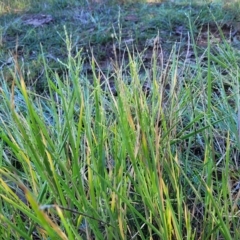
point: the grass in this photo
(132, 141)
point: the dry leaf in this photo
(37, 20)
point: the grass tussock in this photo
(148, 150)
(85, 161)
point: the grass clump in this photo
(145, 150)
(85, 161)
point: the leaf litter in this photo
(37, 20)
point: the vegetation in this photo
(119, 121)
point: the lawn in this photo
(119, 120)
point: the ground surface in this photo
(106, 31)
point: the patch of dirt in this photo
(216, 34)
